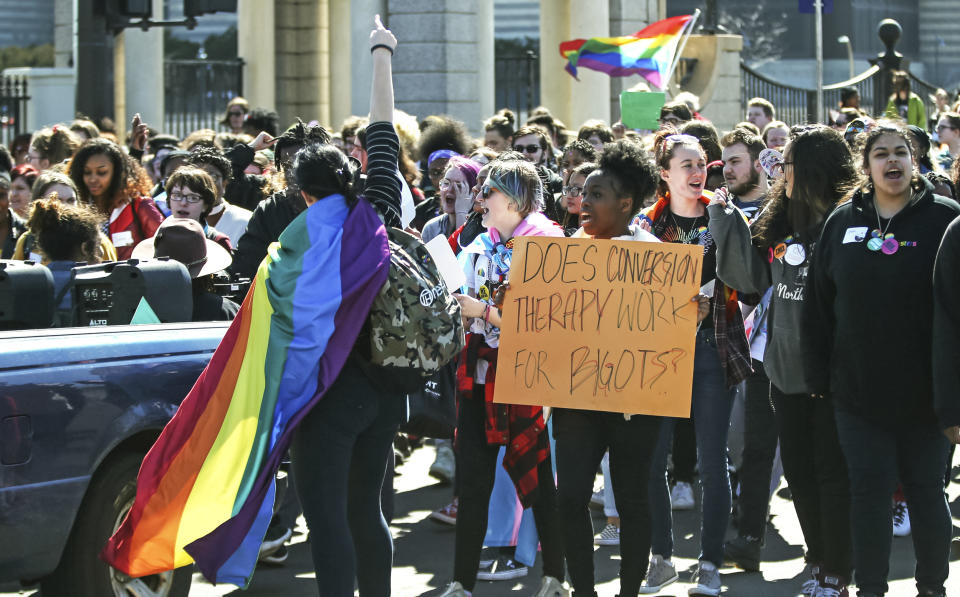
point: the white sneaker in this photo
(660, 574)
(901, 520)
(551, 587)
(455, 589)
(445, 465)
(708, 581)
(681, 496)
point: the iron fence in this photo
(517, 83)
(13, 107)
(196, 93)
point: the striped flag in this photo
(648, 52)
(205, 490)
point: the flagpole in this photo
(680, 47)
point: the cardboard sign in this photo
(641, 109)
(600, 325)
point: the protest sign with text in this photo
(600, 325)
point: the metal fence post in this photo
(889, 32)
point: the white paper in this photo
(707, 289)
(408, 210)
(446, 261)
(855, 235)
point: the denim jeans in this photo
(759, 450)
(876, 458)
(711, 404)
(815, 469)
(476, 465)
(340, 453)
(582, 438)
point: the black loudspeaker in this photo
(109, 293)
(26, 295)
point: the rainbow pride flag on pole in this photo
(649, 52)
(205, 490)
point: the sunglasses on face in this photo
(532, 148)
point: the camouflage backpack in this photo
(415, 325)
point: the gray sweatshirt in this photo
(741, 266)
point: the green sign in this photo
(641, 109)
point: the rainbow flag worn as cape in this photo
(205, 491)
(648, 52)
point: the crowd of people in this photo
(832, 260)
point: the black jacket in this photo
(17, 228)
(870, 314)
(269, 219)
(946, 328)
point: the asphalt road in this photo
(423, 562)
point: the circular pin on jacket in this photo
(796, 254)
(890, 246)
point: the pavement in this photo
(423, 561)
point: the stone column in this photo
(570, 100)
(303, 60)
(144, 76)
(63, 33)
(716, 79)
(341, 87)
(256, 45)
(437, 69)
(357, 54)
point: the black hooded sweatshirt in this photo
(946, 328)
(870, 314)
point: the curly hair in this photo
(129, 179)
(633, 172)
(65, 232)
(55, 144)
(200, 156)
(443, 132)
(823, 175)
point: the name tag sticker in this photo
(855, 235)
(125, 237)
(37, 257)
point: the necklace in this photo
(688, 237)
(882, 241)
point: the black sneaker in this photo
(503, 568)
(744, 552)
(276, 558)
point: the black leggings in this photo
(476, 469)
(582, 438)
(340, 453)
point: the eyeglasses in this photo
(182, 198)
(572, 191)
(445, 183)
(532, 148)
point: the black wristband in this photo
(384, 46)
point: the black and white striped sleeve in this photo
(383, 183)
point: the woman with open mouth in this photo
(511, 201)
(721, 361)
(870, 295)
(456, 200)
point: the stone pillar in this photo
(570, 100)
(63, 33)
(716, 78)
(302, 60)
(256, 45)
(144, 76)
(437, 69)
(341, 88)
(627, 17)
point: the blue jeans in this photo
(340, 452)
(876, 458)
(710, 408)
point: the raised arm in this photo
(383, 181)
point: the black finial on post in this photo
(889, 32)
